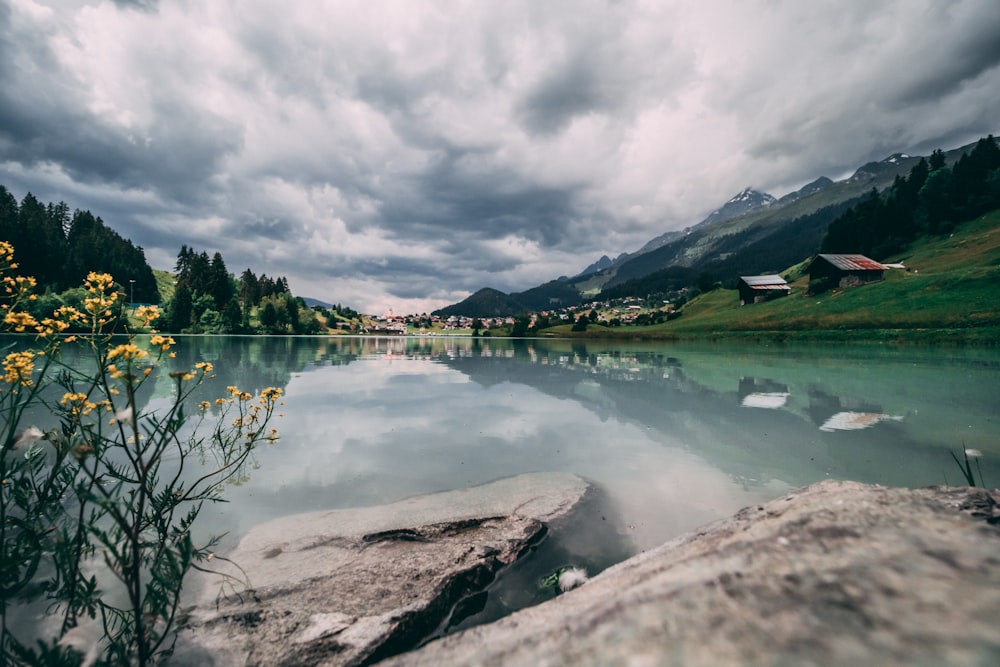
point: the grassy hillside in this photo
(949, 292)
(164, 284)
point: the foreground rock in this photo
(348, 587)
(836, 574)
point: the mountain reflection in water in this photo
(673, 435)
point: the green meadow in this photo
(949, 292)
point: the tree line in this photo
(931, 200)
(60, 248)
(208, 299)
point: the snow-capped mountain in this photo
(746, 201)
(872, 170)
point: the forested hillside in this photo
(931, 200)
(208, 299)
(59, 248)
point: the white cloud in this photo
(406, 154)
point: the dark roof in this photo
(854, 263)
(765, 282)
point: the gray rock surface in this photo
(838, 573)
(347, 587)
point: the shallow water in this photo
(672, 436)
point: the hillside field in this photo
(949, 292)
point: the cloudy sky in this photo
(404, 154)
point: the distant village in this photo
(826, 271)
(610, 313)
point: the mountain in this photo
(806, 190)
(487, 302)
(874, 169)
(742, 203)
(746, 201)
(750, 233)
(603, 263)
(722, 241)
(311, 303)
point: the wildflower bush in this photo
(98, 495)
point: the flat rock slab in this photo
(838, 573)
(347, 587)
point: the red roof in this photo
(854, 263)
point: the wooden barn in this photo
(845, 271)
(754, 289)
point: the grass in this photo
(950, 292)
(164, 284)
(966, 467)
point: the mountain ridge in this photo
(719, 242)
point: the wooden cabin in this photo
(845, 271)
(754, 289)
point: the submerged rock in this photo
(348, 587)
(837, 573)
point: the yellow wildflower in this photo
(163, 342)
(68, 314)
(20, 321)
(73, 397)
(128, 351)
(51, 326)
(18, 367)
(147, 314)
(271, 394)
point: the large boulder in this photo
(348, 587)
(838, 573)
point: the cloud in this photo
(404, 154)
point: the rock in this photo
(837, 573)
(347, 587)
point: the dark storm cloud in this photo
(577, 87)
(406, 154)
(493, 205)
(142, 5)
(44, 120)
(950, 64)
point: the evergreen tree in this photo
(268, 316)
(219, 284)
(934, 212)
(180, 309)
(8, 215)
(931, 200)
(249, 290)
(39, 241)
(292, 309)
(937, 160)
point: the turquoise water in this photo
(673, 435)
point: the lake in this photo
(672, 435)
